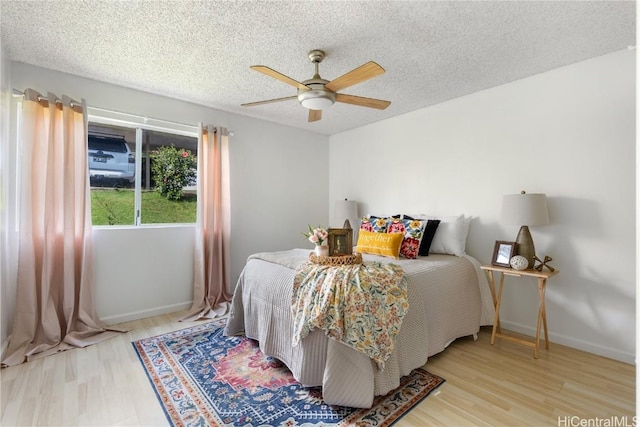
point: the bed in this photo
(448, 298)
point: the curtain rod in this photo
(142, 117)
(73, 104)
(17, 92)
(215, 128)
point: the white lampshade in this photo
(345, 210)
(525, 209)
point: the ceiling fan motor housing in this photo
(317, 97)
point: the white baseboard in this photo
(142, 314)
(590, 347)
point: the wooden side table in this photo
(542, 277)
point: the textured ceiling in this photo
(432, 51)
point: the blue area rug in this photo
(204, 378)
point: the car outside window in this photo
(111, 162)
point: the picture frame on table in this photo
(340, 241)
(502, 253)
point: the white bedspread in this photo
(448, 298)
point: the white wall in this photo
(569, 133)
(147, 270)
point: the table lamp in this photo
(525, 210)
(346, 209)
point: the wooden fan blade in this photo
(362, 102)
(315, 115)
(279, 76)
(355, 76)
(268, 101)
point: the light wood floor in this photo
(500, 385)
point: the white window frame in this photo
(139, 123)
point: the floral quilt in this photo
(360, 305)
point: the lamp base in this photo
(524, 245)
(347, 224)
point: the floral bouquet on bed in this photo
(317, 235)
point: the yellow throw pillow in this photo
(385, 244)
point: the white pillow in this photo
(451, 235)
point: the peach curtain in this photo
(211, 273)
(54, 308)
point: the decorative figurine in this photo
(543, 264)
(519, 262)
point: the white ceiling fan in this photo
(317, 94)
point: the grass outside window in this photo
(115, 206)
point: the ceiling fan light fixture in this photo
(317, 103)
(316, 99)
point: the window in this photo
(141, 173)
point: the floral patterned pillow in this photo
(375, 224)
(413, 230)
